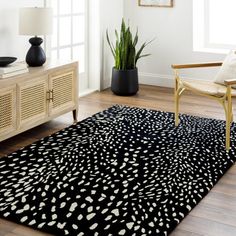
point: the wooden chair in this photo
(221, 93)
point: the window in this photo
(214, 23)
(69, 31)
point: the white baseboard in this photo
(167, 81)
(86, 92)
(156, 80)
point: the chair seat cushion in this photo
(206, 87)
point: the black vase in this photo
(124, 82)
(35, 56)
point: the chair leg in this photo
(177, 97)
(176, 108)
(229, 117)
(228, 125)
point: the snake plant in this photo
(124, 52)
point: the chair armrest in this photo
(230, 82)
(187, 66)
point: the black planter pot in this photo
(124, 82)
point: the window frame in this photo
(201, 30)
(58, 16)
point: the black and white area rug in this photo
(124, 171)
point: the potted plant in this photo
(125, 73)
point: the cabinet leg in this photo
(75, 115)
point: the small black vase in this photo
(124, 82)
(35, 56)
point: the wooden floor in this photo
(216, 213)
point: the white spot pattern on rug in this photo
(124, 171)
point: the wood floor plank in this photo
(206, 227)
(224, 187)
(23, 231)
(179, 232)
(220, 201)
(215, 213)
(214, 216)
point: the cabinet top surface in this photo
(52, 64)
(49, 66)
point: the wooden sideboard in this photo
(33, 98)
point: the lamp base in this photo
(35, 56)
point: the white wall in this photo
(112, 12)
(173, 30)
(104, 14)
(12, 44)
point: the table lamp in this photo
(35, 21)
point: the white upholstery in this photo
(228, 69)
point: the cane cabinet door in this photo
(33, 101)
(7, 110)
(62, 92)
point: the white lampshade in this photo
(35, 21)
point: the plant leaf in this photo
(124, 51)
(111, 45)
